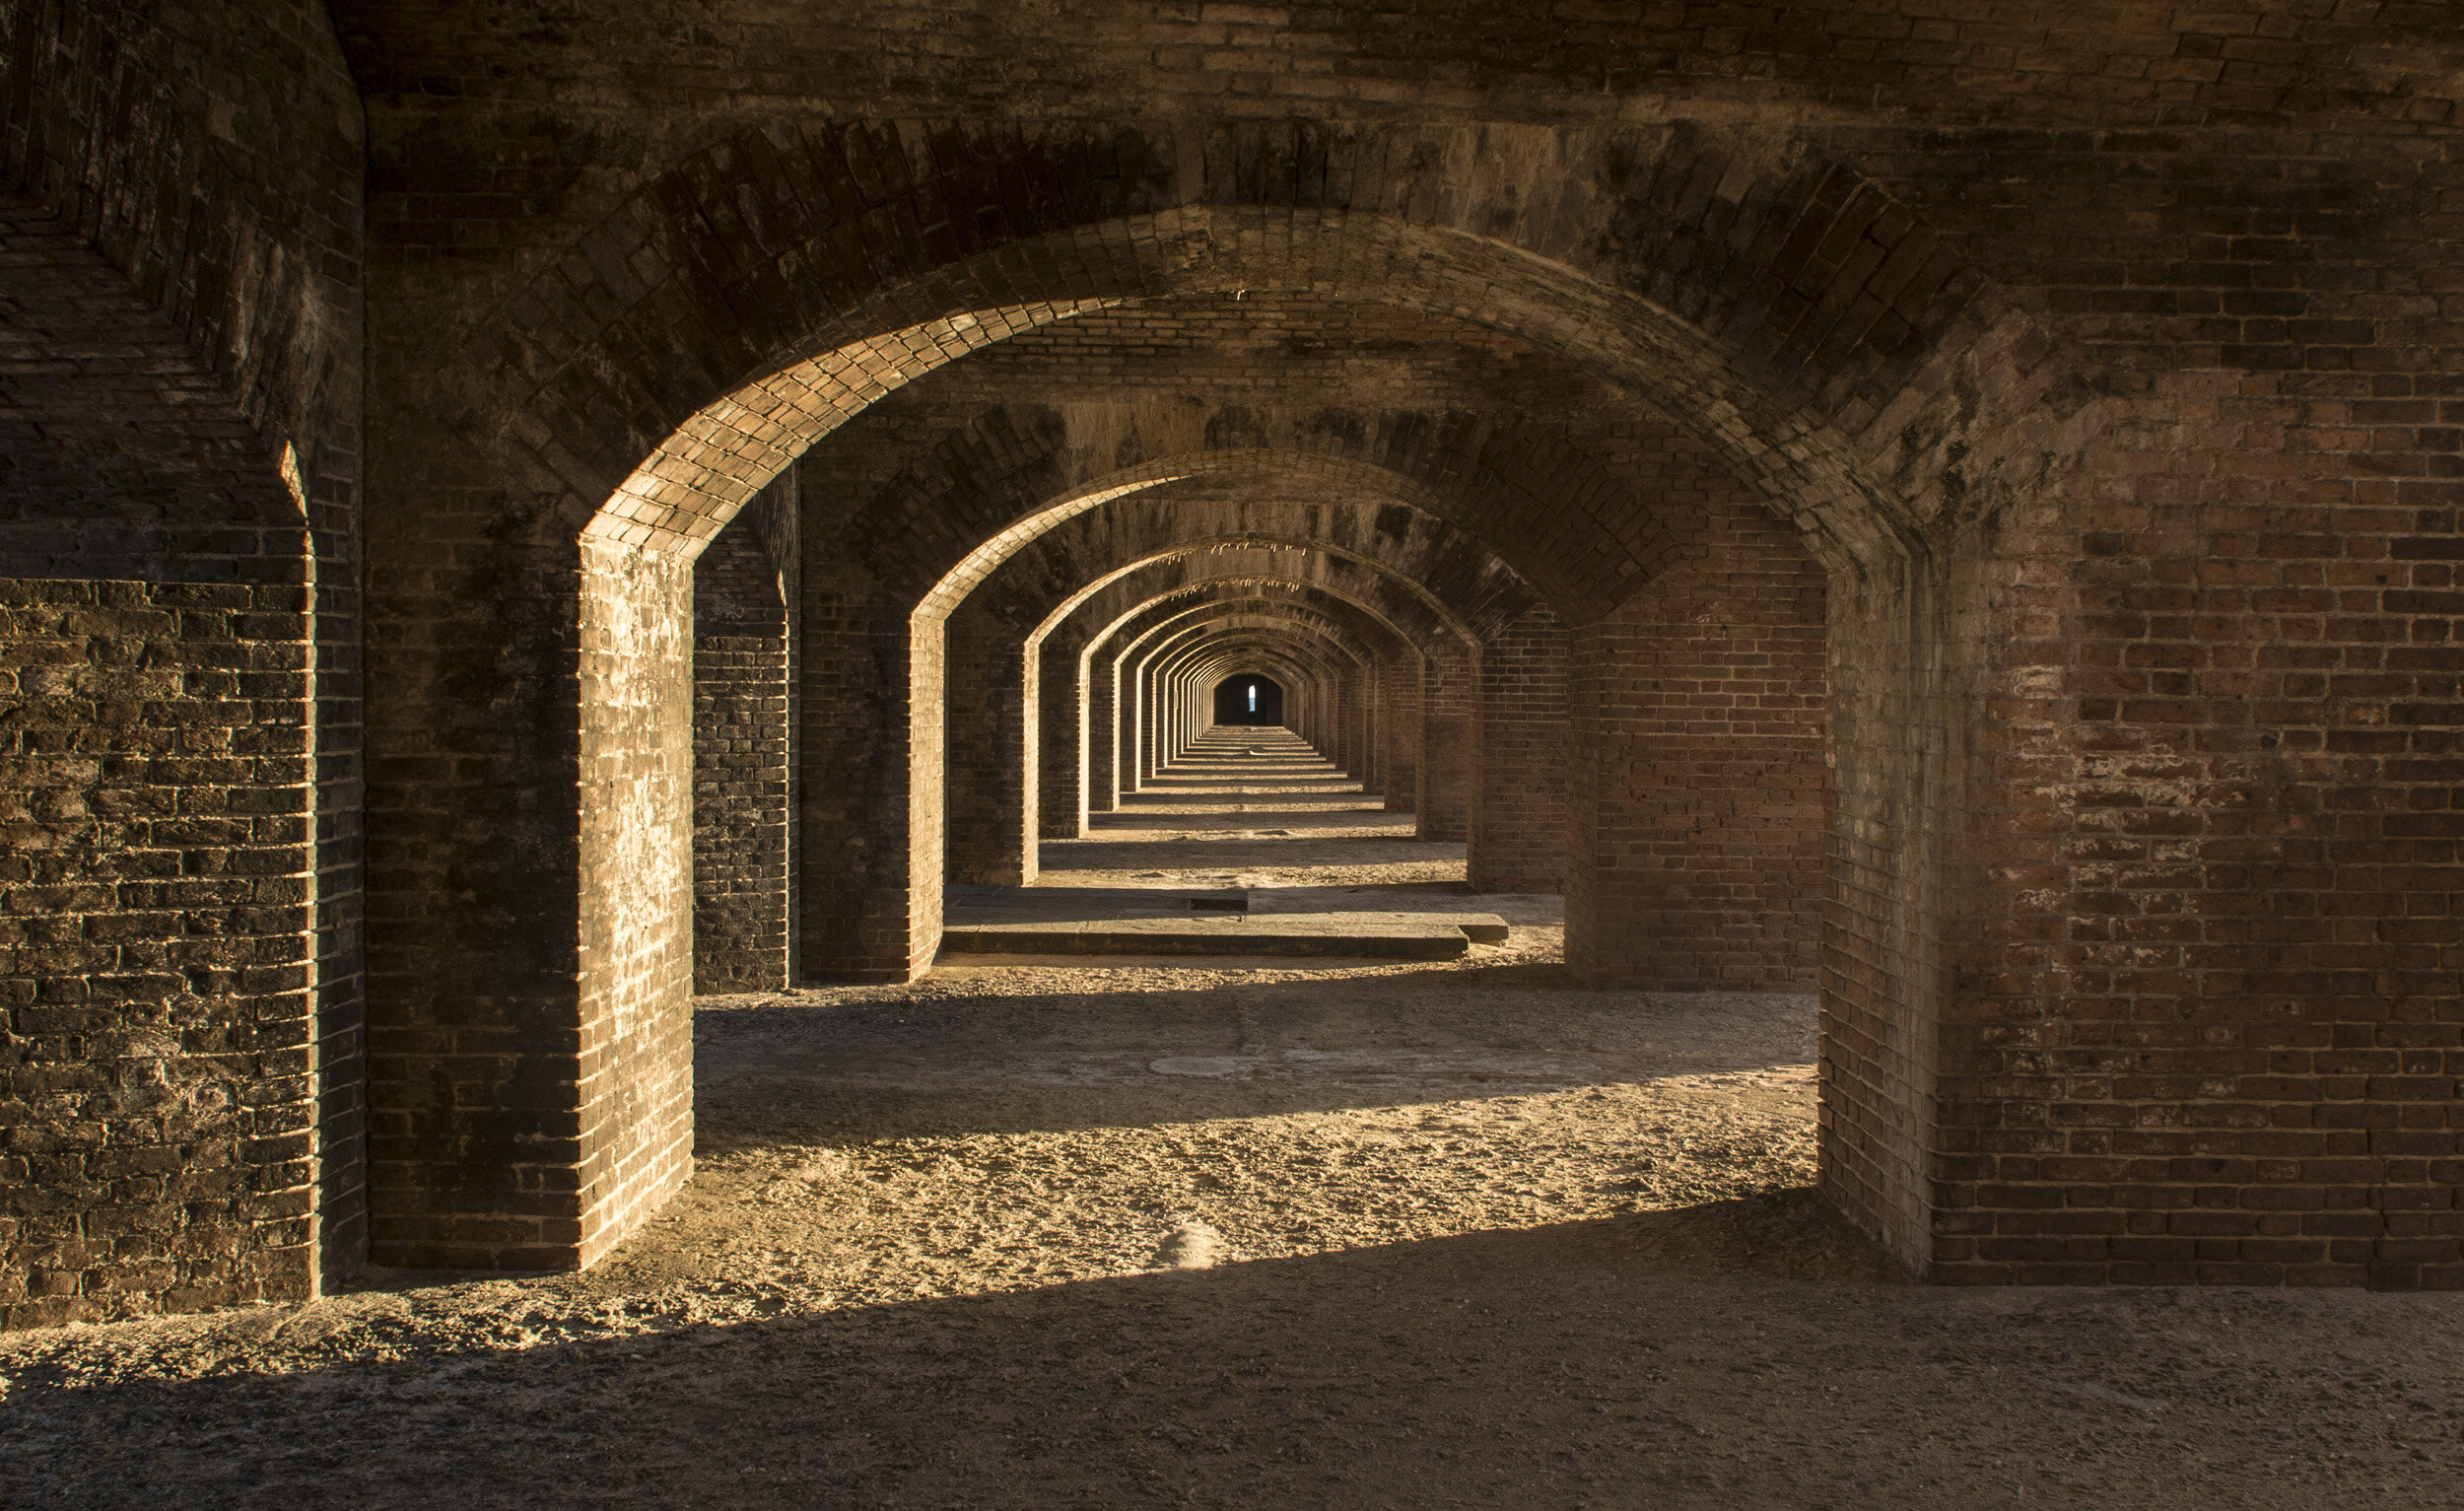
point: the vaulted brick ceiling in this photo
(1942, 63)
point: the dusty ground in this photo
(1247, 1233)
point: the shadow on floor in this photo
(1660, 1360)
(1086, 1046)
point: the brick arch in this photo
(1421, 627)
(1302, 656)
(615, 413)
(1165, 643)
(1262, 652)
(1320, 700)
(1522, 490)
(1448, 573)
(1076, 771)
(1134, 632)
(1355, 505)
(1309, 648)
(1165, 634)
(1330, 620)
(1322, 694)
(991, 725)
(1018, 709)
(1399, 605)
(1449, 662)
(756, 294)
(981, 829)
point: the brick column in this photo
(862, 901)
(1399, 682)
(1061, 725)
(1102, 666)
(152, 723)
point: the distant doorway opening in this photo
(1249, 699)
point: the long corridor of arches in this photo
(627, 631)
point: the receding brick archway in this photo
(1144, 647)
(1079, 684)
(1428, 698)
(1865, 496)
(997, 740)
(1319, 696)
(1080, 690)
(1527, 494)
(1320, 683)
(1245, 696)
(879, 919)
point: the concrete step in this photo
(1117, 920)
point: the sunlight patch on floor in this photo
(899, 1220)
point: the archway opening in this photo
(1249, 699)
(893, 606)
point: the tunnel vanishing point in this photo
(512, 516)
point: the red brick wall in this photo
(993, 725)
(1518, 824)
(742, 907)
(1399, 731)
(1695, 860)
(2208, 1018)
(853, 919)
(1449, 743)
(632, 1078)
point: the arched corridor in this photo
(1249, 699)
(733, 671)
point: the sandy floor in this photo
(1251, 1233)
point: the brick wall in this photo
(1516, 831)
(994, 731)
(1400, 681)
(179, 448)
(2107, 370)
(742, 907)
(1695, 862)
(852, 881)
(1449, 743)
(632, 1093)
(1061, 722)
(160, 1084)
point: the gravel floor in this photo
(1250, 1233)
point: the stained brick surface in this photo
(159, 1091)
(1518, 825)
